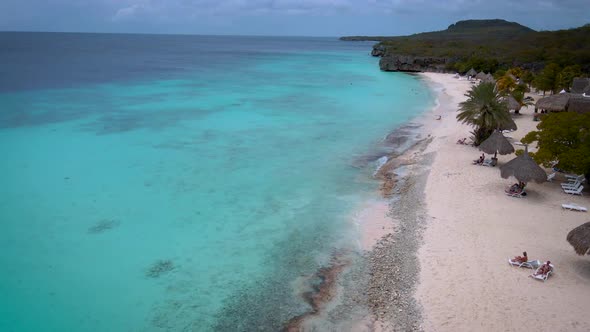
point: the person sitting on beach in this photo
(514, 189)
(544, 269)
(480, 160)
(521, 259)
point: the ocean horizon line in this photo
(167, 34)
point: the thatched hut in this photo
(553, 103)
(513, 104)
(579, 104)
(579, 238)
(580, 85)
(480, 76)
(489, 79)
(471, 72)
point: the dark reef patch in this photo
(160, 267)
(103, 225)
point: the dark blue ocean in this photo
(182, 183)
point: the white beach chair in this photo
(529, 265)
(542, 277)
(574, 177)
(574, 191)
(574, 207)
(571, 186)
(515, 194)
(550, 177)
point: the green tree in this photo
(527, 78)
(563, 137)
(484, 109)
(506, 83)
(548, 79)
(516, 71)
(567, 75)
(519, 97)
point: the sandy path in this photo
(466, 283)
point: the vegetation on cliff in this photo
(490, 45)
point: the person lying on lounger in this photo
(462, 141)
(544, 269)
(516, 188)
(521, 259)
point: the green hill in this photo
(492, 44)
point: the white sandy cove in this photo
(466, 283)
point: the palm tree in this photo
(519, 97)
(485, 110)
(506, 83)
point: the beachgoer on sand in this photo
(521, 259)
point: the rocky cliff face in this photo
(378, 50)
(412, 63)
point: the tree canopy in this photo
(563, 137)
(485, 110)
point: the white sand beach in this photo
(465, 281)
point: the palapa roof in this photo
(489, 78)
(579, 104)
(471, 72)
(565, 102)
(524, 169)
(480, 76)
(512, 103)
(580, 84)
(579, 238)
(508, 126)
(554, 103)
(496, 143)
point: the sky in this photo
(282, 17)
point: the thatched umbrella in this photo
(480, 76)
(495, 144)
(579, 238)
(489, 79)
(512, 103)
(524, 169)
(508, 126)
(471, 72)
(554, 103)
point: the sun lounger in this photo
(574, 207)
(540, 276)
(488, 163)
(550, 177)
(575, 177)
(574, 191)
(571, 186)
(529, 265)
(520, 194)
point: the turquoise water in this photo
(239, 176)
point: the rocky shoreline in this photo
(374, 291)
(393, 263)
